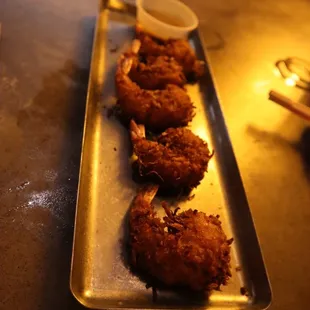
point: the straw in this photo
(295, 107)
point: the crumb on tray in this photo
(191, 197)
(114, 49)
(244, 291)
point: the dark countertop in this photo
(44, 62)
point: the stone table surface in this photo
(45, 53)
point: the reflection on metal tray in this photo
(100, 277)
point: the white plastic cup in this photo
(166, 19)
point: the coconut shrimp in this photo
(154, 72)
(189, 249)
(180, 50)
(157, 72)
(175, 159)
(157, 109)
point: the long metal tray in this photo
(100, 277)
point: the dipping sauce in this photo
(167, 19)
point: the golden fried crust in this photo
(180, 50)
(157, 110)
(157, 72)
(186, 250)
(176, 159)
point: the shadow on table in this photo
(304, 149)
(274, 139)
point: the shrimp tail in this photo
(136, 131)
(126, 61)
(149, 192)
(142, 204)
(135, 47)
(126, 64)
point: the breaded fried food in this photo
(156, 72)
(156, 109)
(188, 250)
(180, 50)
(176, 159)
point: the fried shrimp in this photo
(157, 109)
(180, 50)
(157, 72)
(154, 72)
(189, 249)
(175, 159)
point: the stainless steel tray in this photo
(99, 276)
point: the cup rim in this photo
(184, 6)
